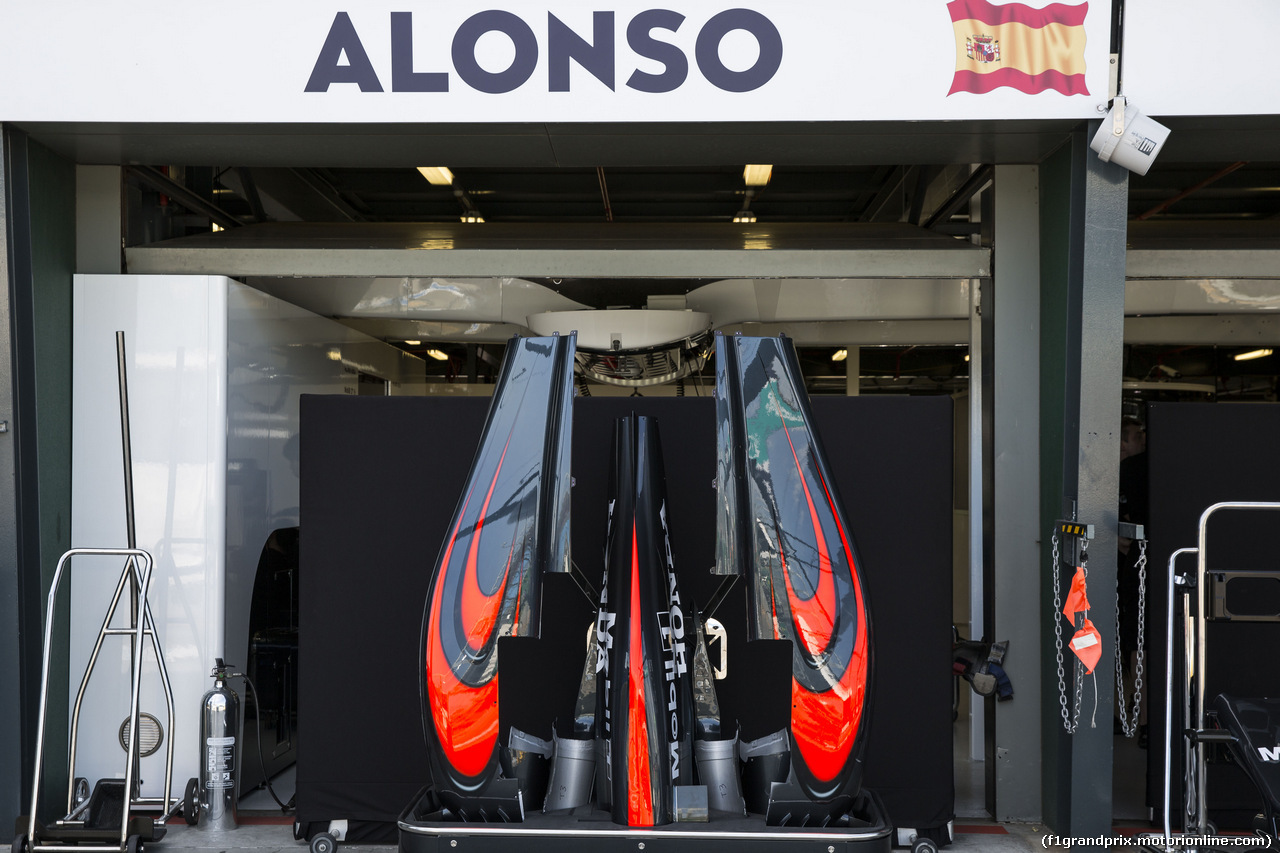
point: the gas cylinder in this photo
(219, 724)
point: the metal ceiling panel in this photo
(545, 145)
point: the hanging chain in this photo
(1142, 629)
(1130, 726)
(1057, 637)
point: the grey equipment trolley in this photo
(1246, 726)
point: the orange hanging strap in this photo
(1087, 645)
(1077, 600)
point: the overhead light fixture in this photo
(966, 356)
(840, 355)
(439, 176)
(472, 218)
(744, 216)
(757, 175)
(1251, 354)
(437, 355)
(413, 343)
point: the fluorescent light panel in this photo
(757, 175)
(437, 355)
(472, 218)
(744, 216)
(840, 355)
(1251, 354)
(439, 176)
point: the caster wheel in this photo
(191, 802)
(924, 845)
(20, 845)
(80, 791)
(323, 843)
(133, 844)
(299, 831)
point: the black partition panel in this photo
(1201, 454)
(381, 478)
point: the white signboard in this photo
(1185, 58)
(283, 61)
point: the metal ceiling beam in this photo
(571, 263)
(1233, 330)
(161, 182)
(891, 186)
(604, 194)
(976, 183)
(251, 195)
(1216, 176)
(587, 250)
(1211, 264)
(325, 193)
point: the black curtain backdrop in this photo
(381, 478)
(1202, 454)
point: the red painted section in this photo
(466, 718)
(980, 84)
(825, 725)
(1018, 13)
(639, 787)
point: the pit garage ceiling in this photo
(599, 215)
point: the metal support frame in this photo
(1011, 379)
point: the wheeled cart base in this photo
(426, 829)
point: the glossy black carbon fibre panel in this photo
(511, 525)
(781, 524)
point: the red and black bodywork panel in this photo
(781, 525)
(645, 643)
(511, 525)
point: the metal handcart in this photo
(106, 820)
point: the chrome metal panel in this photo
(809, 300)
(868, 332)
(457, 300)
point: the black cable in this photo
(262, 764)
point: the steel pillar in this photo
(1083, 230)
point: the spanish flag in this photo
(1015, 45)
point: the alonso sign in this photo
(597, 55)
(415, 62)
